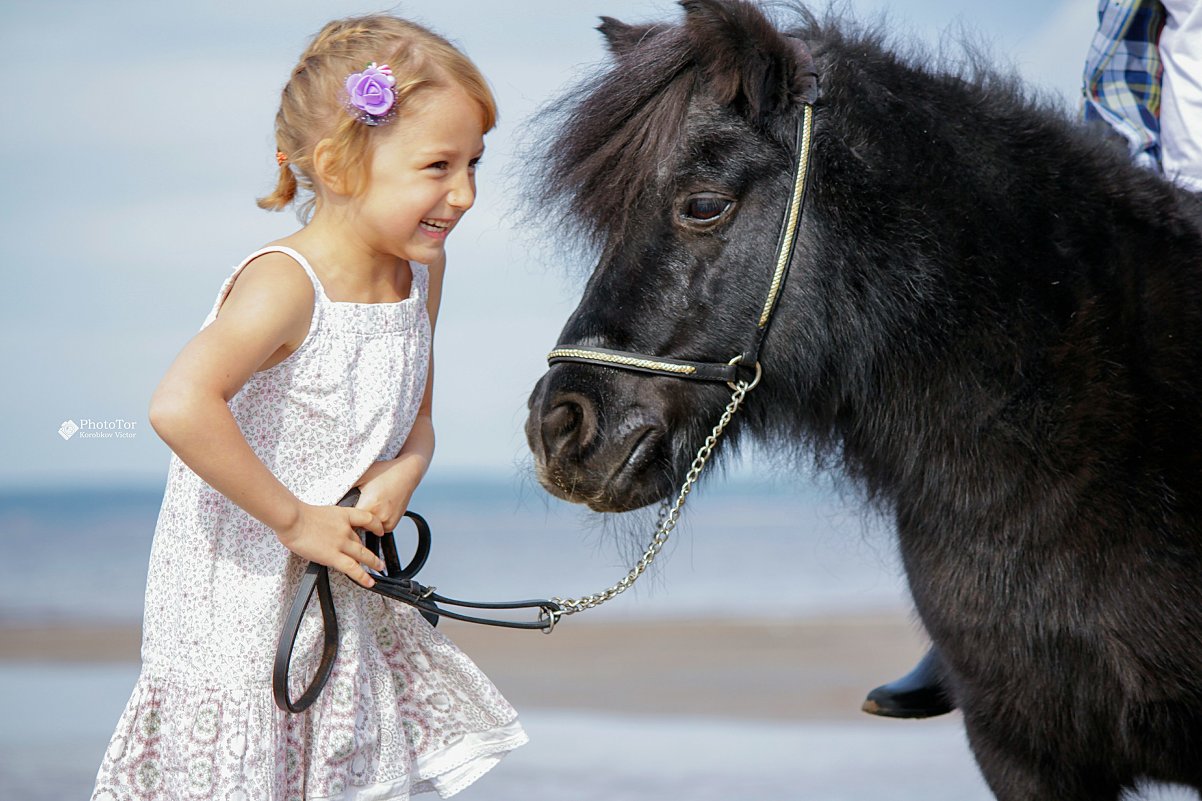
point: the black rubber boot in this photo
(918, 694)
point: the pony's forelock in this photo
(603, 143)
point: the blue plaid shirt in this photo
(1123, 73)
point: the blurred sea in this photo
(68, 555)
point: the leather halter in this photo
(748, 358)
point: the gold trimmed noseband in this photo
(617, 358)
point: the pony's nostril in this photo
(569, 426)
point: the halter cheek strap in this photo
(748, 358)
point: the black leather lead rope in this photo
(317, 578)
(396, 583)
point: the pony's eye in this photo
(706, 208)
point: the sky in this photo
(138, 135)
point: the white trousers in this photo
(1181, 93)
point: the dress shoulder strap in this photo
(319, 292)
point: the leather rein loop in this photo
(728, 371)
(396, 583)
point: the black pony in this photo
(993, 323)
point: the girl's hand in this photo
(326, 535)
(386, 488)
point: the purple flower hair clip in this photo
(370, 94)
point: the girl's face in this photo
(423, 175)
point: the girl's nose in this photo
(463, 193)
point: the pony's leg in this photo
(1014, 776)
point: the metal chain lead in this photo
(570, 606)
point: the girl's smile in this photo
(436, 229)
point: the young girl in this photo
(312, 375)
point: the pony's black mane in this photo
(604, 144)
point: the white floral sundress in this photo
(404, 711)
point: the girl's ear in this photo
(326, 169)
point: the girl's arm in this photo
(388, 485)
(263, 319)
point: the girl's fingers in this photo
(355, 572)
(366, 557)
(368, 521)
(355, 549)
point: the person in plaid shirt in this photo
(1143, 79)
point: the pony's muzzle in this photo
(611, 464)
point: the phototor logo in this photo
(99, 429)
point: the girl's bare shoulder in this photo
(268, 309)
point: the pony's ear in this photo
(623, 38)
(746, 61)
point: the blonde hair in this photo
(312, 104)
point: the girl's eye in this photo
(439, 165)
(706, 207)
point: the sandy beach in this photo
(638, 710)
(780, 670)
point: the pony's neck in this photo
(1001, 256)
